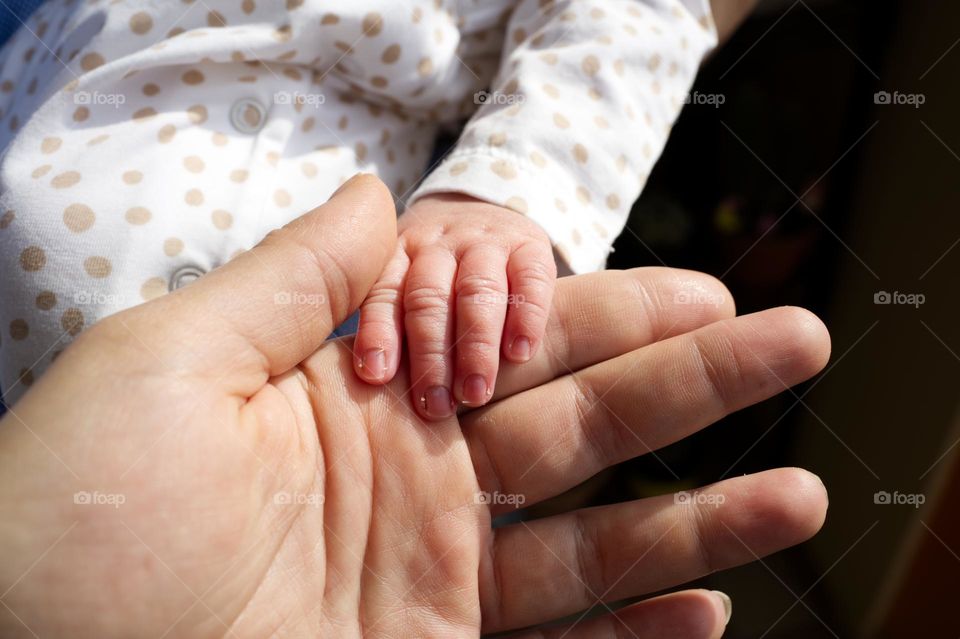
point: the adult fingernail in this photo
(727, 604)
(521, 348)
(475, 390)
(374, 362)
(436, 402)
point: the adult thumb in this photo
(274, 305)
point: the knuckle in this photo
(426, 300)
(482, 288)
(719, 367)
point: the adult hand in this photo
(204, 465)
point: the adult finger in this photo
(551, 567)
(598, 316)
(548, 439)
(691, 614)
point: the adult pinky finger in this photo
(532, 276)
(691, 614)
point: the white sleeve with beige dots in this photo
(580, 109)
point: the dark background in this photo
(802, 189)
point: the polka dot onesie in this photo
(146, 143)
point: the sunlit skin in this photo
(267, 491)
(469, 280)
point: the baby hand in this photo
(466, 275)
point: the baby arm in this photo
(581, 107)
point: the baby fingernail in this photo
(375, 363)
(437, 403)
(521, 348)
(475, 390)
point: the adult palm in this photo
(206, 465)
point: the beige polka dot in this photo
(538, 159)
(425, 67)
(622, 163)
(65, 180)
(6, 219)
(72, 321)
(273, 158)
(81, 114)
(619, 67)
(166, 133)
(219, 139)
(550, 58)
(583, 194)
(361, 150)
(172, 246)
(40, 171)
(497, 139)
(194, 197)
(503, 169)
(613, 202)
(215, 19)
(141, 23)
(309, 169)
(561, 121)
(91, 61)
(19, 329)
(561, 205)
(239, 175)
(138, 215)
(329, 18)
(100, 139)
(153, 288)
(46, 300)
(50, 145)
(78, 217)
(282, 198)
(193, 77)
(308, 125)
(194, 164)
(144, 115)
(601, 122)
(26, 377)
(248, 6)
(197, 113)
(516, 203)
(551, 90)
(580, 153)
(372, 24)
(576, 237)
(132, 177)
(32, 258)
(97, 266)
(590, 65)
(391, 54)
(222, 219)
(379, 82)
(150, 89)
(458, 168)
(654, 62)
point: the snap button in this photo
(183, 276)
(248, 116)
